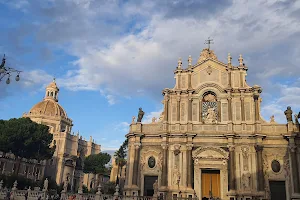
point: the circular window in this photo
(275, 166)
(151, 162)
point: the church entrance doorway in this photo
(148, 185)
(277, 189)
(210, 183)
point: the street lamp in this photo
(8, 71)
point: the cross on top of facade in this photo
(209, 42)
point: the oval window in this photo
(151, 162)
(275, 166)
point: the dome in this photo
(48, 107)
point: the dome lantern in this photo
(52, 91)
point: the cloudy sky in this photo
(111, 57)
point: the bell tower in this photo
(52, 91)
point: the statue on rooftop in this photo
(140, 115)
(288, 113)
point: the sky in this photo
(110, 57)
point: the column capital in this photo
(292, 147)
(231, 147)
(189, 146)
(258, 147)
(178, 99)
(137, 145)
(164, 146)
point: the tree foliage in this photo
(95, 163)
(26, 139)
(120, 156)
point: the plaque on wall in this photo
(275, 165)
(151, 162)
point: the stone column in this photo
(256, 98)
(229, 109)
(190, 109)
(164, 178)
(243, 108)
(178, 108)
(294, 166)
(136, 164)
(200, 110)
(166, 105)
(190, 80)
(131, 163)
(219, 109)
(189, 165)
(232, 180)
(260, 173)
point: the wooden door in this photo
(210, 181)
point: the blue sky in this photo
(112, 57)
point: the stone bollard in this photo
(98, 193)
(1, 184)
(15, 185)
(116, 194)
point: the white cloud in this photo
(122, 48)
(122, 127)
(132, 62)
(156, 114)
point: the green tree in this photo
(95, 163)
(25, 139)
(120, 157)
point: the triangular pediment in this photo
(210, 153)
(209, 71)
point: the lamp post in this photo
(7, 71)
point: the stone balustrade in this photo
(36, 194)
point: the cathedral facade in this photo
(211, 140)
(71, 149)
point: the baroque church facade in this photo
(71, 149)
(211, 140)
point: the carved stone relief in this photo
(281, 156)
(151, 160)
(209, 153)
(245, 153)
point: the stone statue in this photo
(46, 182)
(246, 181)
(272, 119)
(176, 176)
(210, 115)
(65, 186)
(155, 188)
(161, 117)
(133, 120)
(80, 188)
(288, 113)
(153, 119)
(140, 115)
(296, 118)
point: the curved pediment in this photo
(210, 153)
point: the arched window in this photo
(51, 94)
(209, 107)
